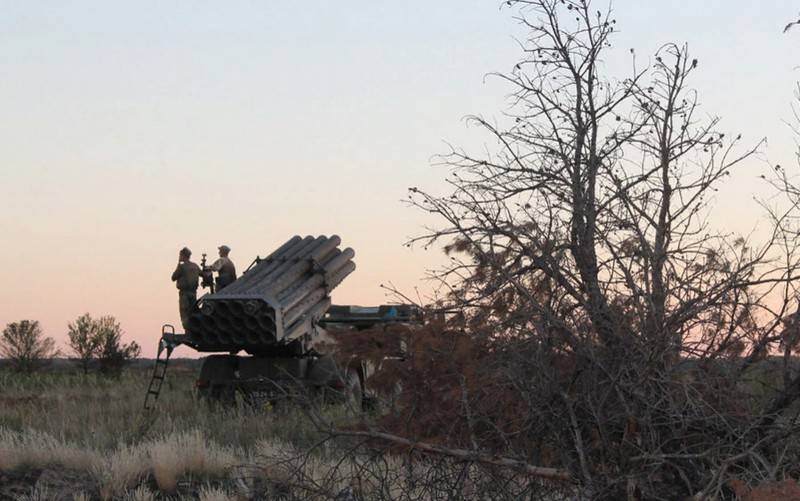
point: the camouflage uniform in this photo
(186, 277)
(226, 270)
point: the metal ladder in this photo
(160, 368)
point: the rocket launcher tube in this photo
(291, 297)
(268, 265)
(338, 261)
(309, 301)
(289, 267)
(301, 325)
(277, 300)
(336, 278)
(293, 275)
(268, 284)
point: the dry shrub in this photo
(285, 467)
(167, 458)
(457, 384)
(381, 474)
(121, 469)
(167, 466)
(190, 452)
(141, 493)
(443, 378)
(274, 453)
(41, 449)
(523, 399)
(38, 493)
(209, 493)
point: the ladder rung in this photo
(157, 380)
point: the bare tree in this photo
(25, 345)
(606, 332)
(605, 340)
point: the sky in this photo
(131, 129)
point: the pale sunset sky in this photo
(131, 129)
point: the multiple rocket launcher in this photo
(278, 299)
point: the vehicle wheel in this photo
(215, 370)
(223, 395)
(218, 397)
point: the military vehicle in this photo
(279, 313)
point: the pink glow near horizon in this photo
(130, 131)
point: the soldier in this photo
(226, 271)
(186, 277)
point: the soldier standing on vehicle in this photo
(186, 277)
(226, 271)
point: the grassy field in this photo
(69, 436)
(66, 436)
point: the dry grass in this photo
(39, 449)
(38, 493)
(100, 413)
(141, 493)
(119, 469)
(92, 432)
(180, 454)
(92, 424)
(166, 459)
(209, 493)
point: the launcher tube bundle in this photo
(277, 300)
